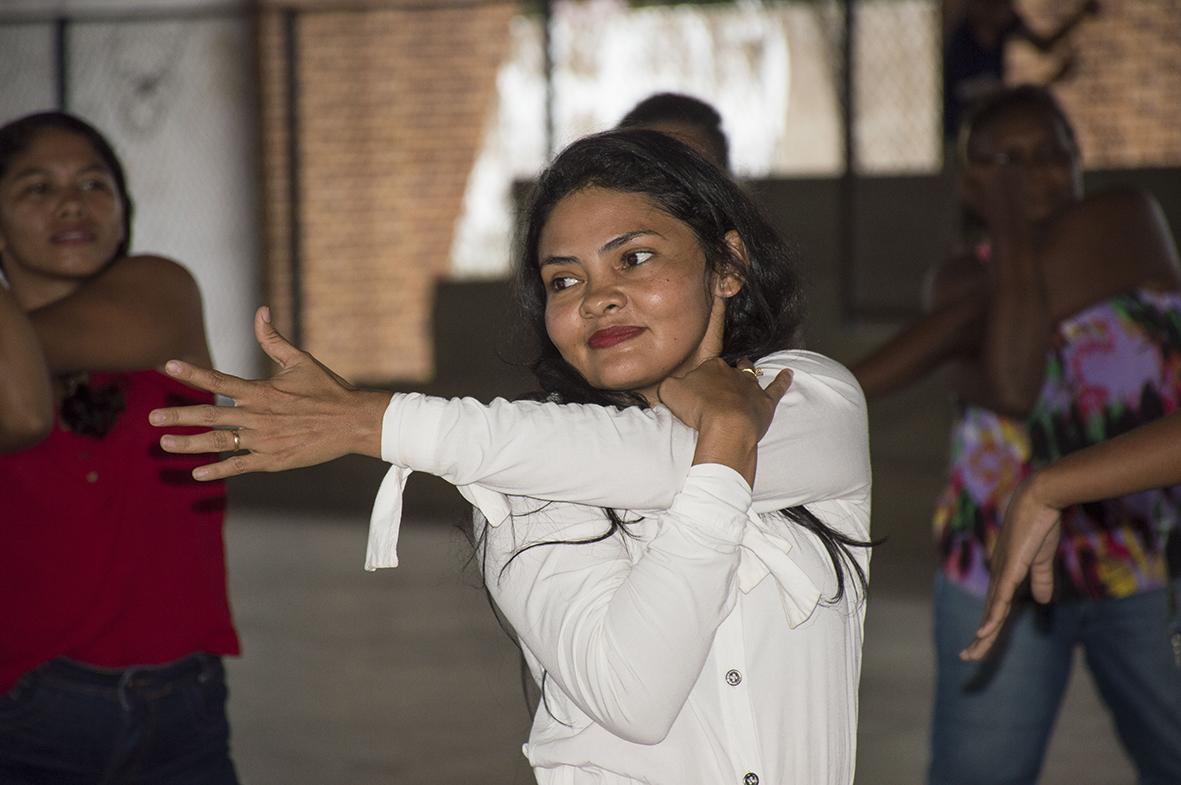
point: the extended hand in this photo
(1026, 546)
(302, 416)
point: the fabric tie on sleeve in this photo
(385, 521)
(766, 553)
(763, 552)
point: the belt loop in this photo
(124, 683)
(206, 671)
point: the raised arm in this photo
(815, 450)
(1018, 325)
(136, 314)
(1047, 41)
(1147, 457)
(626, 641)
(26, 396)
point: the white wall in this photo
(177, 100)
(769, 68)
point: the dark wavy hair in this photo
(86, 410)
(762, 318)
(685, 110)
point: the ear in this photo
(729, 282)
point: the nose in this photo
(602, 296)
(71, 202)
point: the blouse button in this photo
(750, 779)
(734, 678)
(92, 477)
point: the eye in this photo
(94, 184)
(636, 258)
(36, 188)
(560, 282)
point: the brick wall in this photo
(1124, 93)
(392, 109)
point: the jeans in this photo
(67, 723)
(992, 720)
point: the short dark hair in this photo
(17, 136)
(1007, 102)
(681, 108)
(761, 318)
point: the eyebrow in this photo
(35, 170)
(610, 245)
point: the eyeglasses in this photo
(1039, 159)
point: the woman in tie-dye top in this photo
(1062, 328)
(1073, 335)
(1111, 367)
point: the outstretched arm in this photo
(26, 396)
(1148, 457)
(816, 450)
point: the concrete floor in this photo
(402, 676)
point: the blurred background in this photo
(356, 165)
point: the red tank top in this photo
(112, 554)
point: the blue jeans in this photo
(66, 723)
(992, 720)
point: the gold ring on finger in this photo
(237, 440)
(755, 372)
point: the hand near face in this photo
(302, 416)
(1026, 546)
(728, 408)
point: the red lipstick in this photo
(610, 336)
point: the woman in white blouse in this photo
(688, 618)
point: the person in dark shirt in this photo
(974, 53)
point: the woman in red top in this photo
(112, 574)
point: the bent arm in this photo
(626, 642)
(1144, 458)
(921, 348)
(1046, 42)
(816, 448)
(138, 313)
(26, 394)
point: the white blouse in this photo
(698, 650)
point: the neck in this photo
(34, 293)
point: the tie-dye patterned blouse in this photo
(1111, 367)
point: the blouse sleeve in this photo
(624, 641)
(816, 448)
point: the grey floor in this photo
(402, 676)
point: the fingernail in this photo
(200, 473)
(167, 442)
(172, 366)
(266, 314)
(156, 417)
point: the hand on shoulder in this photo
(728, 407)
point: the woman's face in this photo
(1032, 146)
(61, 216)
(629, 298)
